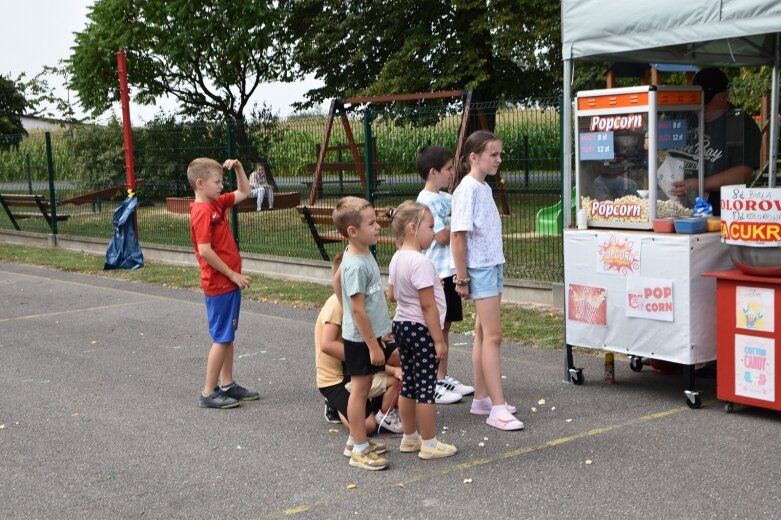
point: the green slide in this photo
(548, 219)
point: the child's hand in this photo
(463, 291)
(241, 280)
(231, 164)
(441, 350)
(376, 356)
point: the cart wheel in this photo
(693, 399)
(636, 363)
(729, 407)
(576, 376)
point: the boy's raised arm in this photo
(242, 183)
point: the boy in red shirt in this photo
(221, 276)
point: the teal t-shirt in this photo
(361, 274)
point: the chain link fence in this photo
(88, 176)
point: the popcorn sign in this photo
(751, 216)
(649, 298)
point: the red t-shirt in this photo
(209, 225)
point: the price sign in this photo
(596, 146)
(671, 133)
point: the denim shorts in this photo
(223, 314)
(485, 282)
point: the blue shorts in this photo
(485, 282)
(223, 314)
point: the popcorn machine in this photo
(625, 172)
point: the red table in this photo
(748, 336)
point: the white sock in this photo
(357, 448)
(411, 437)
(430, 444)
(350, 440)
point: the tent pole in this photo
(566, 136)
(773, 138)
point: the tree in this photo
(41, 95)
(210, 56)
(501, 49)
(12, 106)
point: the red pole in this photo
(127, 132)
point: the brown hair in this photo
(202, 168)
(408, 212)
(348, 213)
(475, 143)
(432, 157)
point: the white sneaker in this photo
(454, 385)
(391, 421)
(444, 396)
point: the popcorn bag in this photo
(668, 173)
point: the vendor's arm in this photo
(734, 175)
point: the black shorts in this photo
(357, 361)
(455, 309)
(338, 396)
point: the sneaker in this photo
(441, 451)
(483, 407)
(377, 447)
(408, 446)
(238, 392)
(217, 399)
(331, 414)
(454, 385)
(444, 396)
(504, 420)
(367, 459)
(391, 421)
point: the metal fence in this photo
(87, 168)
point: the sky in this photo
(36, 33)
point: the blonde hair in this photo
(202, 168)
(408, 212)
(348, 213)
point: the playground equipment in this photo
(548, 219)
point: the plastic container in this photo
(691, 225)
(714, 224)
(664, 225)
(610, 368)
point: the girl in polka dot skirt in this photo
(413, 283)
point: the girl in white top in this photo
(476, 246)
(413, 283)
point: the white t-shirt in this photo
(410, 271)
(440, 204)
(475, 212)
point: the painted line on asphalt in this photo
(354, 493)
(73, 311)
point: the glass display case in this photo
(624, 174)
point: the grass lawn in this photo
(522, 324)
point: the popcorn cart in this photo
(628, 289)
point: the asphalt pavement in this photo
(98, 419)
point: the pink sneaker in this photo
(503, 420)
(483, 406)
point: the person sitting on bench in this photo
(259, 186)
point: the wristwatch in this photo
(460, 281)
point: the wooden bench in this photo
(314, 215)
(13, 200)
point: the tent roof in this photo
(705, 32)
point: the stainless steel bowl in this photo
(756, 261)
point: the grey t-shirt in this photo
(361, 274)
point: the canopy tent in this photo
(722, 33)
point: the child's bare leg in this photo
(390, 394)
(214, 366)
(226, 373)
(491, 339)
(442, 370)
(427, 419)
(408, 415)
(478, 377)
(356, 407)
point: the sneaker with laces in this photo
(238, 392)
(454, 385)
(408, 446)
(444, 396)
(390, 421)
(217, 399)
(377, 447)
(330, 413)
(440, 452)
(367, 459)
